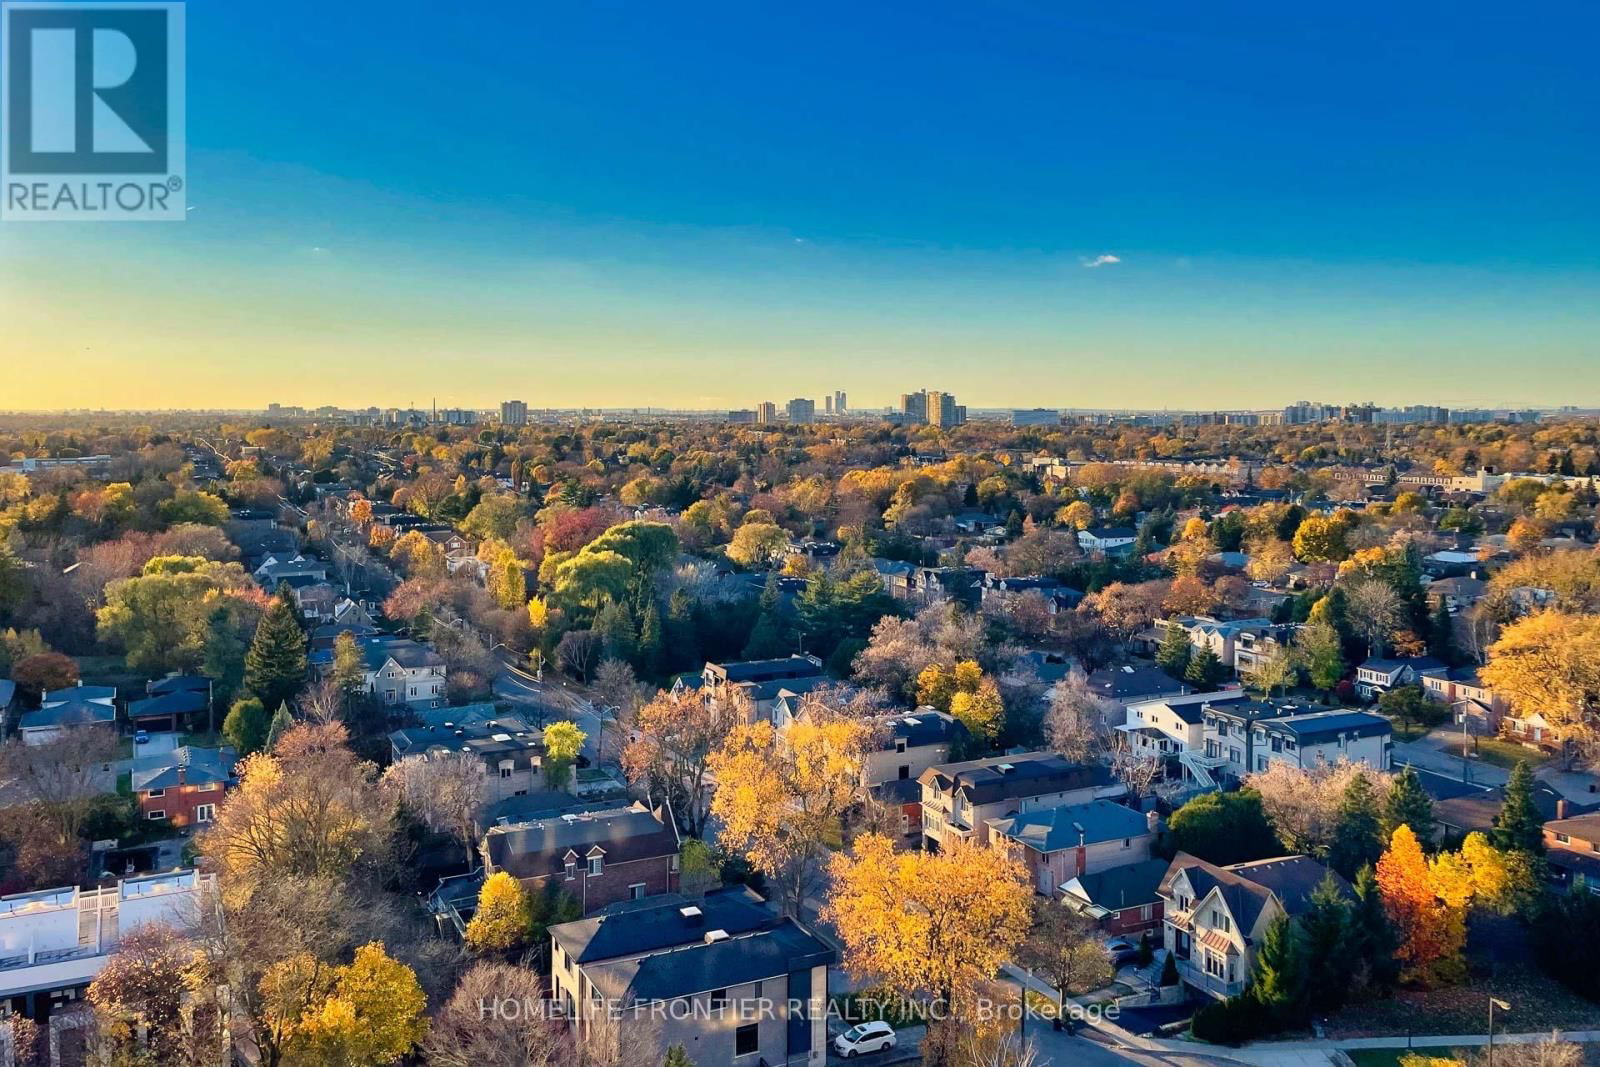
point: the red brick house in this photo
(1572, 850)
(182, 787)
(1123, 900)
(599, 857)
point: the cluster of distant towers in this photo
(922, 408)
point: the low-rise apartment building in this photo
(54, 941)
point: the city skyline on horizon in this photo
(1141, 210)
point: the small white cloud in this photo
(1105, 259)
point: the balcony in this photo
(1196, 976)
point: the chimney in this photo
(1082, 856)
(1561, 807)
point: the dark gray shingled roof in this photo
(701, 967)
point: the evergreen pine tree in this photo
(1441, 635)
(1205, 670)
(1408, 804)
(1326, 925)
(767, 640)
(682, 635)
(281, 721)
(1173, 655)
(275, 666)
(1278, 979)
(677, 1057)
(1372, 936)
(650, 649)
(1358, 837)
(1519, 827)
(223, 655)
(614, 624)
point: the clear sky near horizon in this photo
(1033, 202)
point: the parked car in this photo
(1123, 951)
(864, 1038)
(141, 737)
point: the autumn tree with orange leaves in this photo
(1431, 929)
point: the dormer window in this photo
(596, 865)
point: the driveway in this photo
(1427, 753)
(158, 745)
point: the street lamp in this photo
(1493, 1004)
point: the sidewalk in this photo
(1318, 1053)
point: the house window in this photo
(205, 812)
(1144, 913)
(1127, 842)
(719, 999)
(899, 744)
(596, 865)
(505, 770)
(572, 869)
(747, 1040)
(1563, 838)
(154, 815)
(636, 891)
(155, 794)
(905, 771)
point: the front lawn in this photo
(1538, 1004)
(1500, 753)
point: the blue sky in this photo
(630, 204)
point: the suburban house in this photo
(907, 745)
(511, 750)
(1172, 729)
(1123, 900)
(1376, 677)
(745, 985)
(898, 577)
(1104, 539)
(959, 799)
(279, 567)
(1213, 918)
(1530, 729)
(399, 671)
(177, 702)
(54, 941)
(1226, 638)
(454, 544)
(1572, 849)
(1125, 685)
(1456, 594)
(184, 786)
(720, 680)
(599, 857)
(1057, 595)
(8, 704)
(1471, 702)
(1459, 808)
(61, 709)
(1066, 842)
(1323, 738)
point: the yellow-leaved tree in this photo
(366, 1013)
(781, 799)
(928, 924)
(504, 917)
(1549, 663)
(981, 711)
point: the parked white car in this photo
(864, 1038)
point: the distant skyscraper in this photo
(766, 413)
(513, 413)
(801, 410)
(828, 401)
(742, 416)
(943, 411)
(1035, 417)
(838, 402)
(914, 406)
